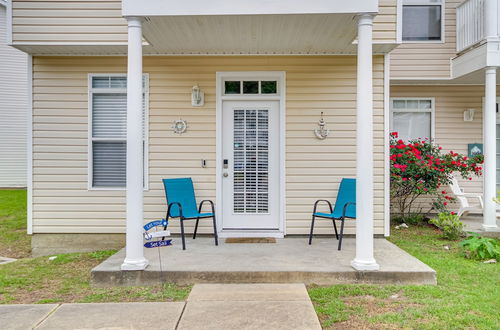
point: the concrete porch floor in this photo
(289, 260)
(474, 222)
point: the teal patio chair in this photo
(345, 208)
(181, 203)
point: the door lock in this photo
(225, 174)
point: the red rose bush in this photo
(420, 168)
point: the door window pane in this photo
(268, 87)
(250, 87)
(232, 87)
(422, 23)
(251, 161)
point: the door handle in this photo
(225, 165)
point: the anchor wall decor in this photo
(321, 132)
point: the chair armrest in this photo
(345, 208)
(322, 200)
(207, 201)
(475, 195)
(472, 195)
(170, 205)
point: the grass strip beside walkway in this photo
(467, 294)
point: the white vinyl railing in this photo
(470, 23)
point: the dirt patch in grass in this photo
(365, 311)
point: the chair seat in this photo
(194, 215)
(328, 215)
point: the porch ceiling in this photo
(251, 34)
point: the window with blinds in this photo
(251, 161)
(108, 97)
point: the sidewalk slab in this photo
(249, 315)
(22, 317)
(249, 306)
(115, 316)
(249, 292)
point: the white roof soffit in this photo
(311, 34)
(245, 7)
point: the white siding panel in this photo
(13, 111)
(62, 202)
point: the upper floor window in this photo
(423, 20)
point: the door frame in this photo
(280, 77)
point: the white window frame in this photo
(91, 139)
(399, 20)
(432, 111)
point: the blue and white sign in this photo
(158, 244)
(155, 223)
(155, 234)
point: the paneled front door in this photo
(250, 177)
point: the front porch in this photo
(289, 260)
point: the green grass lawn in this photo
(14, 242)
(467, 294)
(64, 279)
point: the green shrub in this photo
(412, 219)
(480, 248)
(450, 224)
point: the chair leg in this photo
(215, 231)
(341, 233)
(312, 228)
(182, 234)
(196, 227)
(335, 227)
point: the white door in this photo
(250, 151)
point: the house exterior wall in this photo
(97, 21)
(13, 111)
(420, 60)
(385, 23)
(68, 21)
(451, 131)
(62, 202)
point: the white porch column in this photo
(364, 259)
(134, 259)
(490, 19)
(489, 134)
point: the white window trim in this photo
(399, 21)
(90, 139)
(432, 111)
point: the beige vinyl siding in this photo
(451, 131)
(62, 203)
(13, 111)
(384, 24)
(427, 60)
(101, 21)
(68, 21)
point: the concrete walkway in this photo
(209, 306)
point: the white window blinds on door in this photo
(109, 131)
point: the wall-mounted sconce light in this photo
(197, 97)
(469, 114)
(321, 132)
